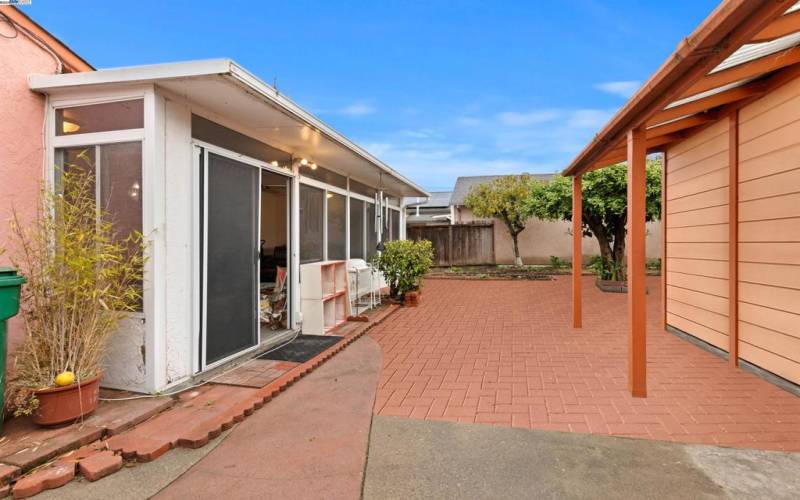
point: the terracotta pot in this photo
(412, 299)
(60, 405)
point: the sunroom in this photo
(236, 189)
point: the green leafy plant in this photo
(609, 271)
(507, 199)
(558, 263)
(83, 278)
(403, 264)
(605, 207)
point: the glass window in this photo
(311, 220)
(120, 115)
(213, 133)
(337, 229)
(119, 170)
(394, 223)
(356, 229)
(362, 189)
(372, 235)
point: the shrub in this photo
(83, 278)
(403, 263)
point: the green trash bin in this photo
(10, 284)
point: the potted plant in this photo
(83, 278)
(403, 264)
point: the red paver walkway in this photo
(502, 352)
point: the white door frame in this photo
(199, 254)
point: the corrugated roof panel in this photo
(753, 51)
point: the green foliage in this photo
(403, 263)
(83, 278)
(605, 270)
(558, 263)
(605, 205)
(507, 199)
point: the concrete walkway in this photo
(308, 443)
(410, 459)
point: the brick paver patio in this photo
(503, 353)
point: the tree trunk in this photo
(517, 258)
(619, 250)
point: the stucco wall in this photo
(22, 144)
(541, 239)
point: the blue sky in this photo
(436, 89)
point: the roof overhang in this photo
(742, 50)
(226, 89)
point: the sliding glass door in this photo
(230, 257)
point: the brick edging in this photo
(109, 453)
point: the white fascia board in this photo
(133, 74)
(46, 83)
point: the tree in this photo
(605, 207)
(505, 198)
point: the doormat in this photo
(303, 348)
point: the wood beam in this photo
(577, 252)
(637, 298)
(681, 124)
(782, 26)
(707, 103)
(620, 154)
(733, 239)
(754, 68)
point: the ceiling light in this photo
(69, 127)
(304, 162)
(274, 163)
(313, 166)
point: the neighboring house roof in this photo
(70, 60)
(743, 50)
(224, 87)
(465, 184)
(435, 200)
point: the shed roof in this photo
(435, 200)
(465, 184)
(227, 89)
(744, 49)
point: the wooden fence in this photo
(458, 244)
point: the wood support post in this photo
(637, 348)
(733, 240)
(577, 252)
(664, 241)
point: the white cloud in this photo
(622, 88)
(361, 108)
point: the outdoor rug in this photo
(303, 348)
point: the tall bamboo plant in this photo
(83, 278)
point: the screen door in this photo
(231, 219)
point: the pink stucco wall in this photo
(22, 144)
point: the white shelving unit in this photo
(323, 296)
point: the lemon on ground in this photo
(65, 378)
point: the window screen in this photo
(104, 117)
(337, 229)
(356, 229)
(311, 220)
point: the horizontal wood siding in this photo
(769, 232)
(697, 235)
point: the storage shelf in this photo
(324, 296)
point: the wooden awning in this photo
(744, 49)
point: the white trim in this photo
(221, 68)
(322, 185)
(97, 138)
(347, 222)
(197, 301)
(361, 197)
(233, 155)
